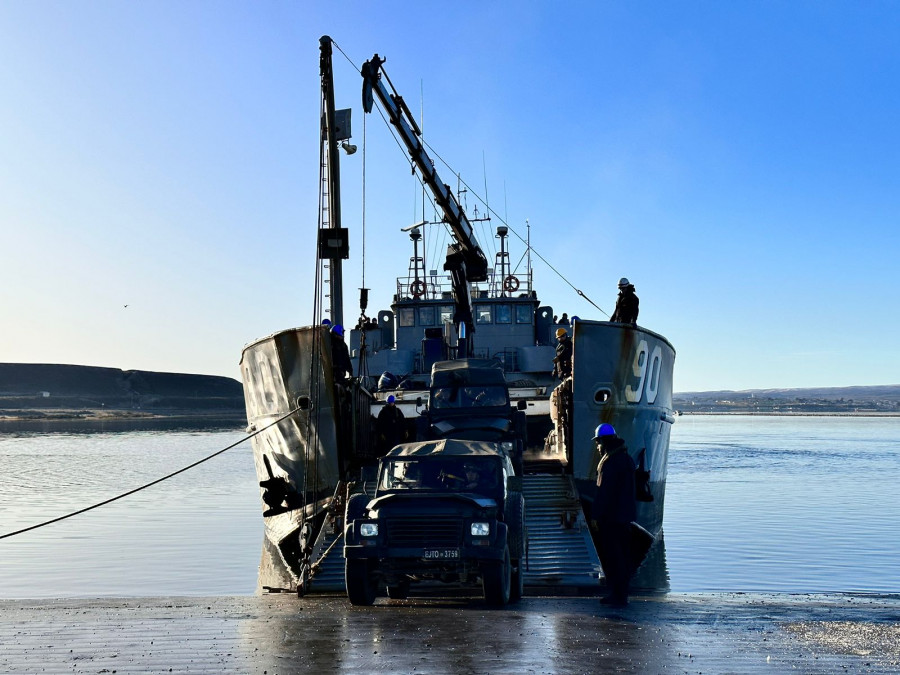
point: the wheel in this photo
(356, 507)
(517, 581)
(358, 580)
(496, 580)
(514, 517)
(399, 591)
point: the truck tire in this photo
(517, 580)
(398, 591)
(496, 580)
(514, 517)
(359, 582)
(356, 507)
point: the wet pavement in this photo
(279, 634)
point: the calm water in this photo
(753, 504)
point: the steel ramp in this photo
(329, 564)
(561, 553)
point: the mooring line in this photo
(158, 480)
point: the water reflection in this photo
(547, 635)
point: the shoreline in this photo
(86, 419)
(713, 632)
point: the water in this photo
(753, 504)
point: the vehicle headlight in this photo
(507, 446)
(481, 529)
(368, 529)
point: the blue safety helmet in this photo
(604, 430)
(391, 398)
(574, 319)
(326, 322)
(338, 330)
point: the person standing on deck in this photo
(562, 362)
(391, 426)
(615, 507)
(340, 355)
(626, 304)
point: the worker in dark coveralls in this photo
(562, 362)
(390, 426)
(626, 304)
(340, 355)
(614, 509)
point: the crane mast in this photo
(465, 260)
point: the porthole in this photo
(602, 395)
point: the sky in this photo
(738, 161)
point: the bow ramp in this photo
(561, 553)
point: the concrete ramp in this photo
(561, 554)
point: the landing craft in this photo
(319, 448)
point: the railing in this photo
(440, 287)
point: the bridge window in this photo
(484, 314)
(523, 313)
(426, 316)
(407, 316)
(446, 313)
(503, 314)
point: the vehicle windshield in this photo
(475, 396)
(478, 475)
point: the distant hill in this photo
(870, 399)
(43, 385)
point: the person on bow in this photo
(340, 355)
(562, 362)
(627, 304)
(614, 509)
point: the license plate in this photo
(441, 554)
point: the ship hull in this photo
(622, 375)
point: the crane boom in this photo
(465, 260)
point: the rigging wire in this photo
(513, 230)
(151, 484)
(489, 209)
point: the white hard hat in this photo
(623, 282)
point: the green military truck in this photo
(445, 510)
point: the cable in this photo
(144, 487)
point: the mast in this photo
(333, 241)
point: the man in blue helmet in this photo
(614, 510)
(340, 355)
(390, 426)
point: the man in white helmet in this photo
(626, 304)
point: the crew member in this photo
(475, 480)
(626, 304)
(340, 355)
(562, 362)
(614, 510)
(564, 320)
(390, 426)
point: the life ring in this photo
(511, 284)
(417, 288)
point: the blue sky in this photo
(738, 161)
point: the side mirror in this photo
(521, 404)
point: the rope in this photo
(144, 487)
